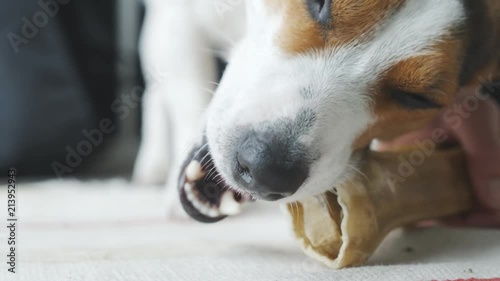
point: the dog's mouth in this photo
(204, 194)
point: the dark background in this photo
(64, 80)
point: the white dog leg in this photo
(174, 46)
(151, 165)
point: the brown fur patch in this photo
(350, 21)
(301, 32)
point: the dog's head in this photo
(315, 81)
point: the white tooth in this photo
(188, 187)
(201, 206)
(194, 171)
(228, 205)
(207, 205)
(203, 210)
(197, 204)
(213, 213)
(375, 145)
(210, 211)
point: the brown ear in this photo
(482, 40)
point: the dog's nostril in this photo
(243, 170)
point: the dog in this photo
(312, 83)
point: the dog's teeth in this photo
(196, 203)
(194, 171)
(208, 211)
(213, 213)
(191, 196)
(375, 145)
(228, 205)
(203, 207)
(188, 187)
(203, 210)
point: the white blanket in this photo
(112, 231)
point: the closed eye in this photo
(320, 10)
(413, 101)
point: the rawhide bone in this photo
(343, 228)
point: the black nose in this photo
(269, 167)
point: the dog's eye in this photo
(320, 10)
(413, 100)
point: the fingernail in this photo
(494, 194)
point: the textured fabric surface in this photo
(113, 231)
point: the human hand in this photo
(474, 123)
(479, 135)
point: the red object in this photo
(475, 279)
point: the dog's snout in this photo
(269, 168)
